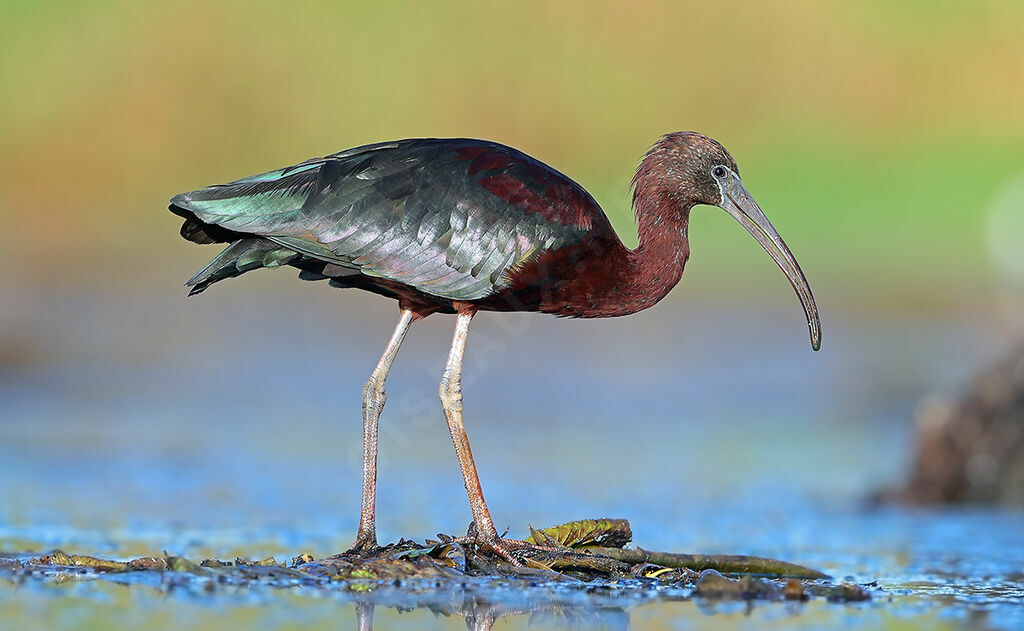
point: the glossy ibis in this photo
(460, 226)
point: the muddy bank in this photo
(586, 559)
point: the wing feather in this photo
(452, 218)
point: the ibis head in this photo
(698, 170)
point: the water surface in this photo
(229, 427)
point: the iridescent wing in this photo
(450, 217)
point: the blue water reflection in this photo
(230, 426)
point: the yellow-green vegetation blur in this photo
(876, 135)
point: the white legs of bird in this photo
(373, 403)
(450, 390)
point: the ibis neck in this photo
(644, 276)
(620, 281)
(656, 265)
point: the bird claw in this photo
(504, 548)
(501, 548)
(495, 545)
(362, 546)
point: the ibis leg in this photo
(373, 403)
(450, 390)
(364, 615)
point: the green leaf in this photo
(181, 564)
(611, 533)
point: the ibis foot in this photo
(497, 545)
(500, 545)
(364, 544)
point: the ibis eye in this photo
(718, 171)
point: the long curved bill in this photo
(737, 202)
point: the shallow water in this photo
(229, 426)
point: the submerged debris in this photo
(588, 553)
(713, 584)
(59, 557)
(727, 563)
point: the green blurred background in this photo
(884, 139)
(877, 135)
